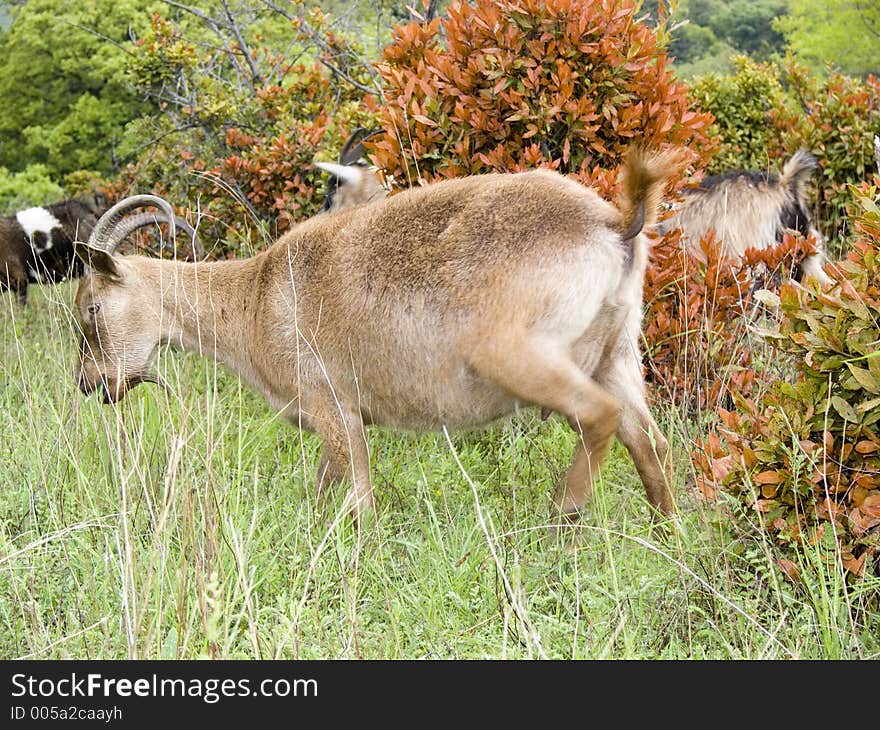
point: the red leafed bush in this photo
(503, 85)
(700, 307)
(803, 458)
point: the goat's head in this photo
(114, 304)
(353, 181)
(95, 202)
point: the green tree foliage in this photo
(64, 100)
(748, 25)
(844, 33)
(709, 32)
(31, 186)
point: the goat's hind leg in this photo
(329, 472)
(543, 374)
(14, 278)
(640, 434)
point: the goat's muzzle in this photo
(113, 390)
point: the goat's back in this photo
(406, 286)
(455, 233)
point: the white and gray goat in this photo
(749, 209)
(353, 180)
(444, 306)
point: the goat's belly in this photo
(463, 400)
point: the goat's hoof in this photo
(664, 526)
(564, 520)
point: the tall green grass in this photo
(183, 524)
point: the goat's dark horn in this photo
(353, 149)
(149, 378)
(353, 138)
(103, 234)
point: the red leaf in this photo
(771, 476)
(791, 571)
(871, 505)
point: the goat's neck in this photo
(207, 307)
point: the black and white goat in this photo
(750, 209)
(37, 244)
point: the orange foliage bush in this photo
(504, 85)
(699, 308)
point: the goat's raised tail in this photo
(797, 171)
(644, 180)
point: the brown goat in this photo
(451, 304)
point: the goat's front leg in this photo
(344, 454)
(812, 266)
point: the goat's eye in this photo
(93, 308)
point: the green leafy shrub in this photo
(64, 99)
(805, 456)
(240, 143)
(31, 186)
(742, 104)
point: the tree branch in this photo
(429, 14)
(315, 37)
(233, 26)
(216, 25)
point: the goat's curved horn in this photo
(129, 225)
(103, 234)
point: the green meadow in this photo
(182, 523)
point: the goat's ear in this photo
(98, 260)
(348, 174)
